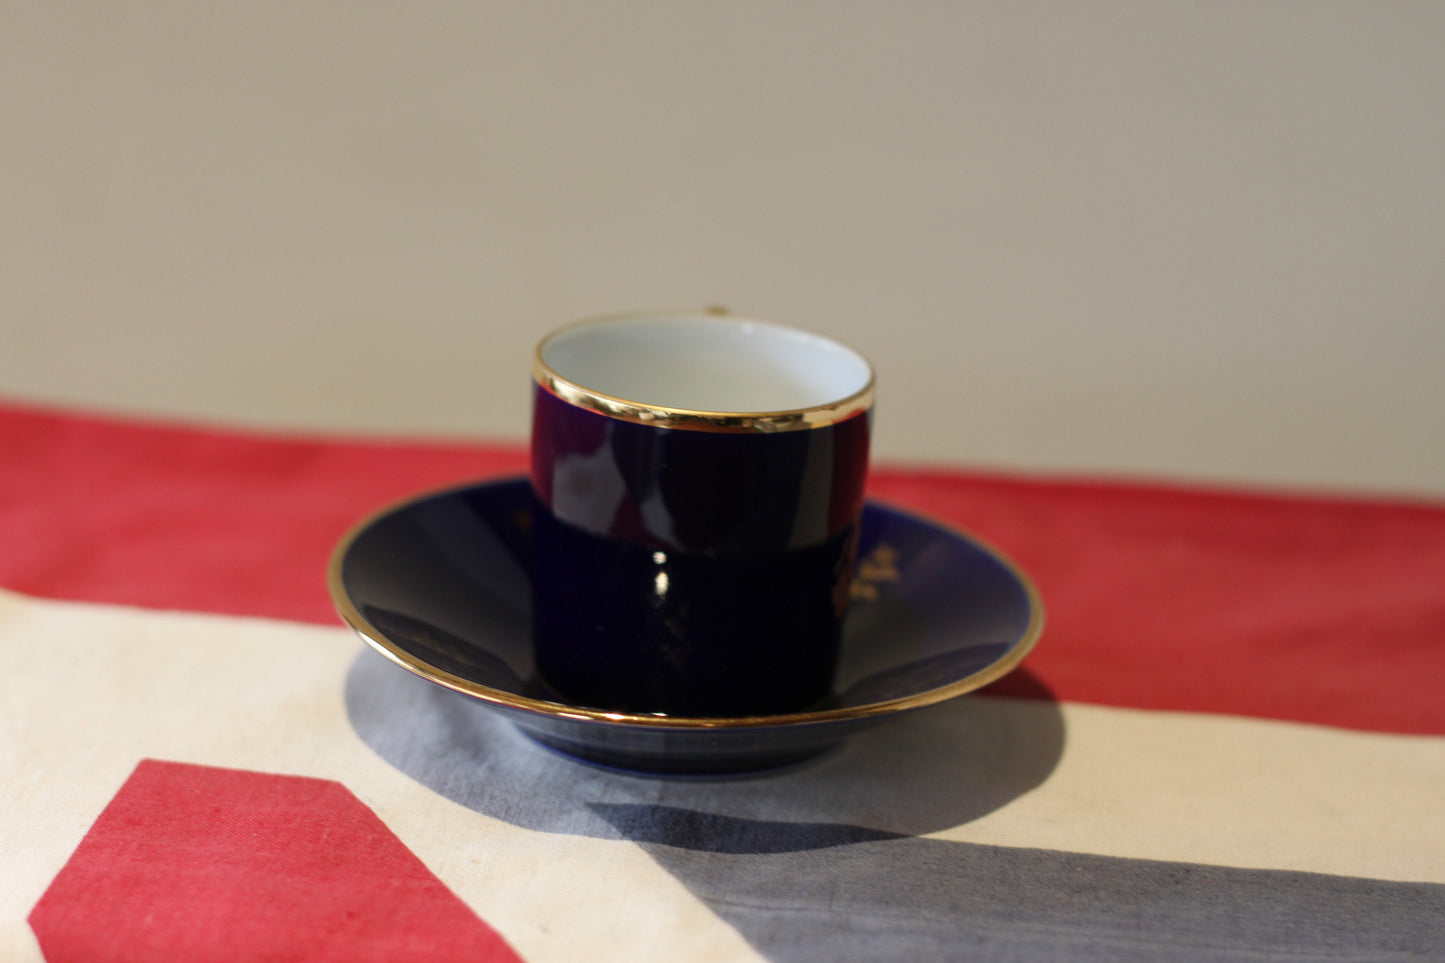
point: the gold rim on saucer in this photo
(511, 700)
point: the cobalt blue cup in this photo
(698, 481)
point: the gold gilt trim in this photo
(542, 707)
(693, 419)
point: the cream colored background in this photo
(1192, 240)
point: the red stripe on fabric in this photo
(1323, 610)
(127, 512)
(193, 862)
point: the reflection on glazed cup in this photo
(698, 481)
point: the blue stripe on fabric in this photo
(929, 899)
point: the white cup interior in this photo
(707, 363)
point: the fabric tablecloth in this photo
(1229, 743)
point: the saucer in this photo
(440, 584)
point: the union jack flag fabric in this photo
(1229, 743)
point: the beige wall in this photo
(1199, 240)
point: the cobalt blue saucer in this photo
(440, 584)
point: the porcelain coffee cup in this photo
(698, 481)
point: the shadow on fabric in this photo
(825, 860)
(926, 771)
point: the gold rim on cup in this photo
(661, 416)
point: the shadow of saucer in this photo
(921, 773)
(831, 859)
